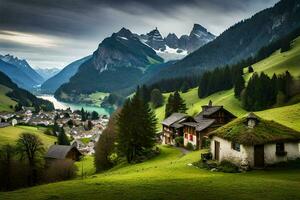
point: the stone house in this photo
(254, 142)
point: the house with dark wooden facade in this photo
(172, 127)
(62, 152)
(194, 130)
(209, 119)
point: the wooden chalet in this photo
(210, 118)
(61, 152)
(172, 127)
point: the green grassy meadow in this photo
(168, 176)
(277, 63)
(5, 101)
(10, 134)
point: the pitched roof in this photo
(175, 117)
(207, 110)
(263, 132)
(201, 124)
(59, 151)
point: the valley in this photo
(109, 106)
(92, 106)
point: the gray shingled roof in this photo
(58, 151)
(209, 110)
(201, 124)
(175, 117)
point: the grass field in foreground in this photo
(168, 176)
(10, 134)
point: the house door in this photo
(259, 156)
(217, 150)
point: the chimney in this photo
(210, 103)
(252, 120)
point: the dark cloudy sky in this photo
(53, 33)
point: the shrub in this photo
(228, 167)
(48, 131)
(190, 146)
(179, 141)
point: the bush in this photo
(228, 167)
(179, 141)
(48, 131)
(190, 146)
(60, 170)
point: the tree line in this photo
(263, 92)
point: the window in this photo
(191, 137)
(186, 136)
(236, 146)
(280, 149)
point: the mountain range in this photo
(240, 41)
(174, 47)
(119, 62)
(53, 83)
(47, 73)
(20, 72)
(124, 60)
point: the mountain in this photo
(118, 63)
(17, 95)
(20, 72)
(240, 41)
(172, 47)
(47, 73)
(53, 83)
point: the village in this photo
(249, 142)
(83, 133)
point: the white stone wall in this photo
(227, 153)
(292, 150)
(246, 153)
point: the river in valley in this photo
(63, 105)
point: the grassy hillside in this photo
(169, 176)
(287, 115)
(10, 134)
(276, 63)
(5, 101)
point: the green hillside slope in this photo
(276, 63)
(10, 134)
(280, 62)
(5, 101)
(169, 176)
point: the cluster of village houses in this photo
(249, 142)
(83, 138)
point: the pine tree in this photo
(239, 86)
(175, 104)
(62, 138)
(94, 115)
(169, 106)
(157, 98)
(82, 113)
(178, 103)
(250, 69)
(136, 128)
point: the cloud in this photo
(75, 28)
